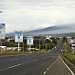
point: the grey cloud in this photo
(37, 12)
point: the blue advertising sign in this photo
(2, 31)
(18, 36)
(30, 40)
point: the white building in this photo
(3, 47)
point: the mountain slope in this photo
(51, 30)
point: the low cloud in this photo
(26, 14)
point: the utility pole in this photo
(43, 45)
(46, 46)
(1, 38)
(39, 44)
(1, 44)
(18, 46)
(23, 46)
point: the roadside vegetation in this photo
(11, 52)
(68, 56)
(45, 46)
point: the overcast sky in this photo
(28, 15)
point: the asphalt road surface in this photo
(35, 64)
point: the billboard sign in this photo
(18, 36)
(2, 31)
(30, 40)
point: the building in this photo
(3, 47)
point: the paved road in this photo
(34, 64)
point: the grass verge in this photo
(68, 56)
(14, 53)
(69, 63)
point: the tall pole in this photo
(43, 45)
(29, 48)
(1, 38)
(33, 48)
(46, 46)
(39, 44)
(1, 44)
(49, 47)
(23, 42)
(23, 46)
(18, 46)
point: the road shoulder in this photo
(58, 68)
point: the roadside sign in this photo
(30, 40)
(70, 41)
(18, 36)
(2, 31)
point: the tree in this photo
(55, 41)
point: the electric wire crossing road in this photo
(35, 64)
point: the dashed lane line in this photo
(18, 65)
(49, 67)
(44, 72)
(15, 65)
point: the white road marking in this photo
(12, 67)
(4, 69)
(49, 67)
(19, 64)
(45, 57)
(50, 56)
(15, 65)
(53, 57)
(44, 72)
(15, 59)
(67, 66)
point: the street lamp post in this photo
(1, 38)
